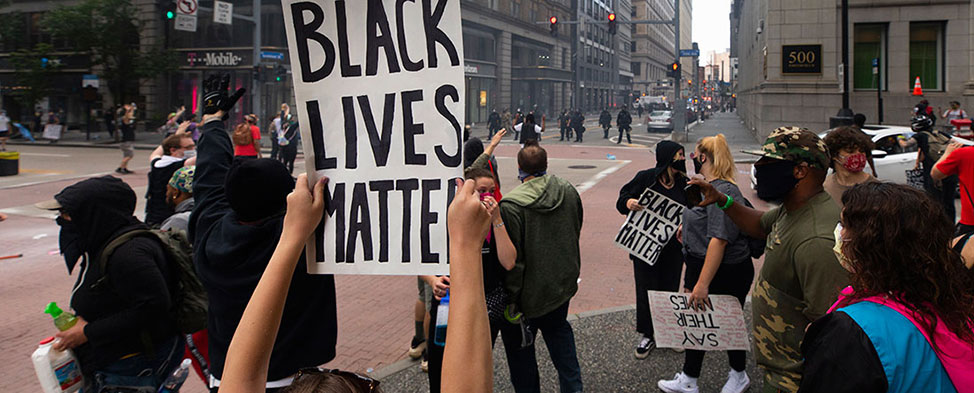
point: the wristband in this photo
(730, 201)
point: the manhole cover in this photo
(581, 167)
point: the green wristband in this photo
(730, 201)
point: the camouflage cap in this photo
(797, 145)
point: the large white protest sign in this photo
(380, 96)
(719, 327)
(645, 232)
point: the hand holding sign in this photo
(304, 209)
(718, 326)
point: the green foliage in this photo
(34, 76)
(107, 31)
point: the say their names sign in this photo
(645, 232)
(718, 327)
(379, 90)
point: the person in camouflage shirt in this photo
(800, 277)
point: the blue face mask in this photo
(521, 175)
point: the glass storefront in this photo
(481, 97)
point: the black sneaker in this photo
(127, 171)
(646, 345)
(119, 170)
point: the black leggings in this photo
(730, 279)
(663, 276)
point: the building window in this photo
(632, 46)
(926, 54)
(635, 68)
(869, 43)
(516, 9)
(492, 4)
(479, 47)
(564, 58)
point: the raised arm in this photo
(746, 218)
(250, 350)
(467, 362)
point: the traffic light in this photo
(170, 11)
(612, 23)
(280, 74)
(257, 73)
(674, 70)
(554, 25)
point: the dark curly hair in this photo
(898, 244)
(846, 137)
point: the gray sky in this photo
(711, 26)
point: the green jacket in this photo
(544, 219)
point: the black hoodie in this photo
(133, 304)
(649, 178)
(230, 257)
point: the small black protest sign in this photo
(645, 232)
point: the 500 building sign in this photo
(801, 59)
(218, 59)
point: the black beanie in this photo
(257, 189)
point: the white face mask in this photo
(189, 154)
(837, 249)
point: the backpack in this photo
(755, 247)
(189, 296)
(938, 142)
(242, 136)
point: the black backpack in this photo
(189, 296)
(755, 247)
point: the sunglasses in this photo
(364, 383)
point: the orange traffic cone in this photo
(917, 90)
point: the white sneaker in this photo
(680, 383)
(737, 382)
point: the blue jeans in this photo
(140, 373)
(560, 340)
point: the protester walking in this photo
(906, 323)
(931, 146)
(543, 216)
(176, 151)
(800, 276)
(718, 260)
(235, 226)
(246, 138)
(624, 122)
(668, 178)
(125, 335)
(849, 148)
(127, 125)
(289, 142)
(605, 121)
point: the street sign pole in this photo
(257, 83)
(879, 91)
(679, 107)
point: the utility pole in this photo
(574, 38)
(844, 117)
(679, 106)
(256, 95)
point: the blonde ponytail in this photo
(716, 149)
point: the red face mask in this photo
(855, 163)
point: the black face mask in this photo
(697, 165)
(70, 242)
(680, 165)
(775, 180)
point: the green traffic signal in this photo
(170, 15)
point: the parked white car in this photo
(660, 121)
(892, 161)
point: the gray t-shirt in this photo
(700, 224)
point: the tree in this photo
(108, 32)
(34, 71)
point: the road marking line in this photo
(599, 176)
(44, 154)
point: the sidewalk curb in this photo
(408, 362)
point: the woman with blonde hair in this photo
(718, 260)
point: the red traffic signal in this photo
(612, 23)
(553, 19)
(553, 26)
(612, 17)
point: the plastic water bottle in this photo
(62, 320)
(57, 371)
(175, 380)
(442, 314)
(610, 156)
